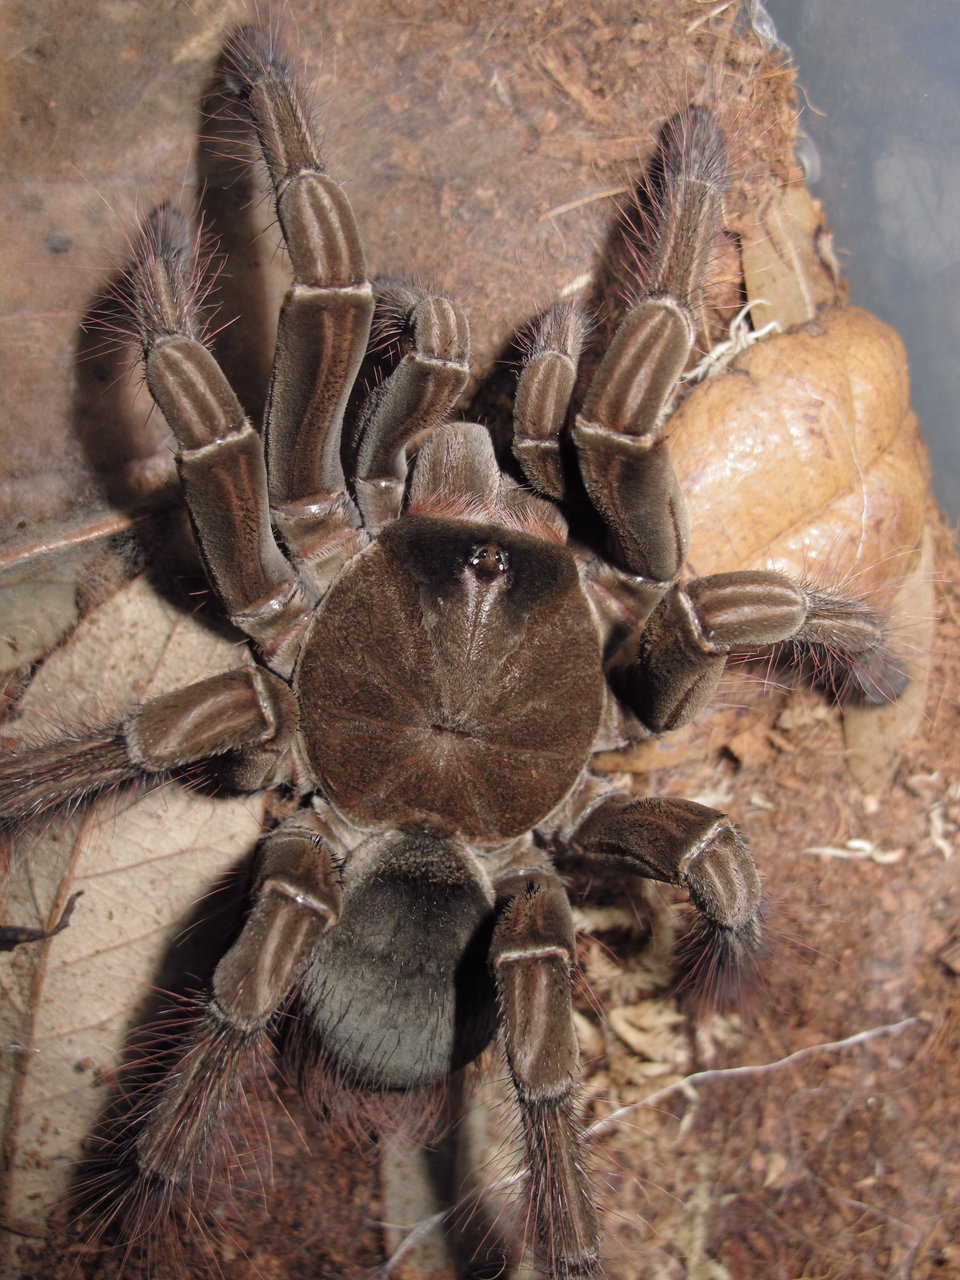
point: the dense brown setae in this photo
(442, 640)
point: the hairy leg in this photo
(248, 714)
(696, 848)
(531, 954)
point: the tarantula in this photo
(439, 648)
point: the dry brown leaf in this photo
(875, 736)
(786, 254)
(822, 452)
(142, 864)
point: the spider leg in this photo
(324, 323)
(297, 900)
(686, 844)
(668, 670)
(220, 456)
(417, 397)
(248, 715)
(618, 434)
(531, 954)
(544, 391)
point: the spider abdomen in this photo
(402, 993)
(451, 680)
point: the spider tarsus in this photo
(257, 72)
(565, 1216)
(718, 959)
(876, 679)
(141, 1218)
(716, 968)
(693, 150)
(166, 287)
(842, 650)
(394, 303)
(253, 53)
(145, 1193)
(167, 1145)
(170, 237)
(686, 195)
(562, 327)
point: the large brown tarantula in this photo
(439, 650)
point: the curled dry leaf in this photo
(824, 455)
(822, 451)
(143, 862)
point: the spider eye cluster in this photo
(488, 560)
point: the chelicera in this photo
(440, 642)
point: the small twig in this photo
(857, 851)
(705, 17)
(17, 553)
(739, 337)
(728, 1073)
(423, 1227)
(16, 935)
(606, 194)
